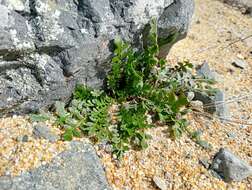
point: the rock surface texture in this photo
(77, 168)
(46, 47)
(230, 167)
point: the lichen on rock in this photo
(49, 46)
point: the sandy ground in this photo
(215, 28)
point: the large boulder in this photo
(46, 47)
(76, 168)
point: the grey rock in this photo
(160, 183)
(23, 138)
(77, 168)
(214, 104)
(231, 135)
(230, 167)
(240, 64)
(208, 101)
(205, 72)
(243, 126)
(43, 131)
(47, 47)
(221, 106)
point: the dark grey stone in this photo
(76, 169)
(208, 101)
(214, 104)
(46, 47)
(230, 167)
(43, 131)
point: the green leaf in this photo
(76, 133)
(68, 135)
(180, 102)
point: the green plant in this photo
(146, 92)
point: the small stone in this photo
(221, 107)
(231, 135)
(230, 167)
(240, 64)
(160, 183)
(43, 131)
(243, 126)
(104, 145)
(23, 138)
(205, 71)
(214, 104)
